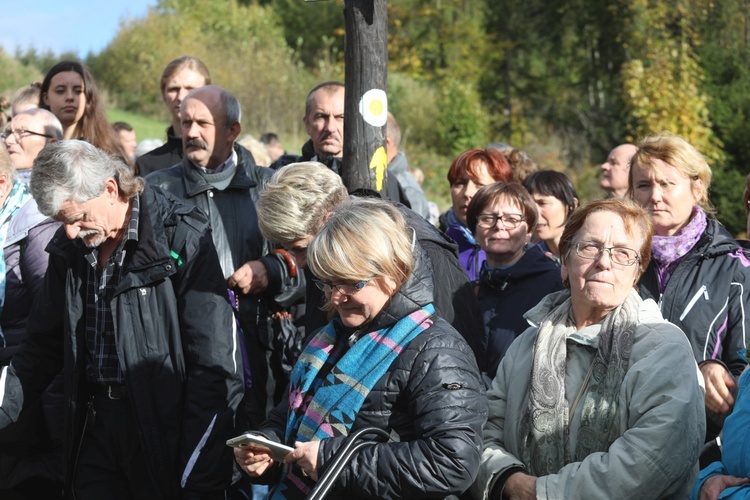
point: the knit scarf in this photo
(19, 194)
(329, 384)
(668, 250)
(544, 425)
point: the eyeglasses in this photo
(344, 288)
(590, 250)
(509, 221)
(21, 133)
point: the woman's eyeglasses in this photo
(344, 288)
(509, 221)
(591, 250)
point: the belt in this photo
(110, 391)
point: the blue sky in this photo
(81, 26)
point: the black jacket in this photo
(235, 232)
(505, 295)
(431, 398)
(394, 191)
(175, 341)
(167, 155)
(707, 297)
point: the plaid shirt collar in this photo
(131, 234)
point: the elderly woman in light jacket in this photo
(602, 397)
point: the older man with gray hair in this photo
(26, 134)
(134, 312)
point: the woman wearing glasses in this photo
(470, 171)
(514, 276)
(601, 398)
(385, 360)
(698, 273)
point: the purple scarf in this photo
(667, 251)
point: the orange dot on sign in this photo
(376, 107)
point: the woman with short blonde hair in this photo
(386, 360)
(698, 273)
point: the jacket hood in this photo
(398, 164)
(532, 263)
(648, 312)
(244, 177)
(415, 293)
(716, 240)
(27, 218)
(425, 231)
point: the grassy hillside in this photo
(145, 128)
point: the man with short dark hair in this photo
(134, 311)
(221, 177)
(324, 123)
(273, 145)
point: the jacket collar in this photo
(244, 177)
(150, 258)
(415, 293)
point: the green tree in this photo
(14, 74)
(243, 46)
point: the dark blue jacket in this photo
(504, 297)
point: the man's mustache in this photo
(197, 143)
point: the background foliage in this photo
(566, 81)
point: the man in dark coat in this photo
(221, 178)
(324, 123)
(134, 311)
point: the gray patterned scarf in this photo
(545, 422)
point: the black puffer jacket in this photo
(453, 293)
(431, 397)
(707, 297)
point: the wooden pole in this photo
(366, 106)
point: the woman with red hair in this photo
(470, 171)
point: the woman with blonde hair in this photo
(698, 273)
(386, 360)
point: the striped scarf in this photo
(331, 380)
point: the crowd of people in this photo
(159, 300)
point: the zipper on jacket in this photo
(702, 291)
(90, 414)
